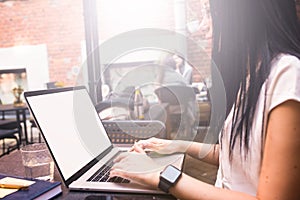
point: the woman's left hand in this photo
(137, 167)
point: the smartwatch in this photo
(168, 178)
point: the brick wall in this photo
(59, 24)
(201, 56)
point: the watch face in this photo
(171, 174)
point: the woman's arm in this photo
(186, 188)
(190, 188)
(205, 152)
(280, 172)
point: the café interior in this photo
(71, 43)
(125, 53)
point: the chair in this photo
(117, 106)
(8, 134)
(128, 131)
(122, 130)
(8, 130)
(32, 126)
(120, 109)
(179, 103)
(54, 84)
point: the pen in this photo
(13, 186)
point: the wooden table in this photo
(20, 116)
(11, 164)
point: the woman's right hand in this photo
(161, 146)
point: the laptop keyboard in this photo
(102, 175)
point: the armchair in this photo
(179, 102)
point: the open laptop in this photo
(78, 142)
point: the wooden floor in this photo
(200, 170)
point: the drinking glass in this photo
(37, 161)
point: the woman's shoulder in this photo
(284, 79)
(285, 64)
(285, 61)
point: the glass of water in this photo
(37, 162)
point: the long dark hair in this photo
(247, 36)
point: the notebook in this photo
(78, 142)
(37, 190)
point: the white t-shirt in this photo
(243, 175)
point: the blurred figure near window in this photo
(183, 68)
(174, 71)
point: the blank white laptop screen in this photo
(71, 127)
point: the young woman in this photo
(258, 154)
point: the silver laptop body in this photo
(77, 140)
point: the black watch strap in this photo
(168, 178)
(164, 185)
